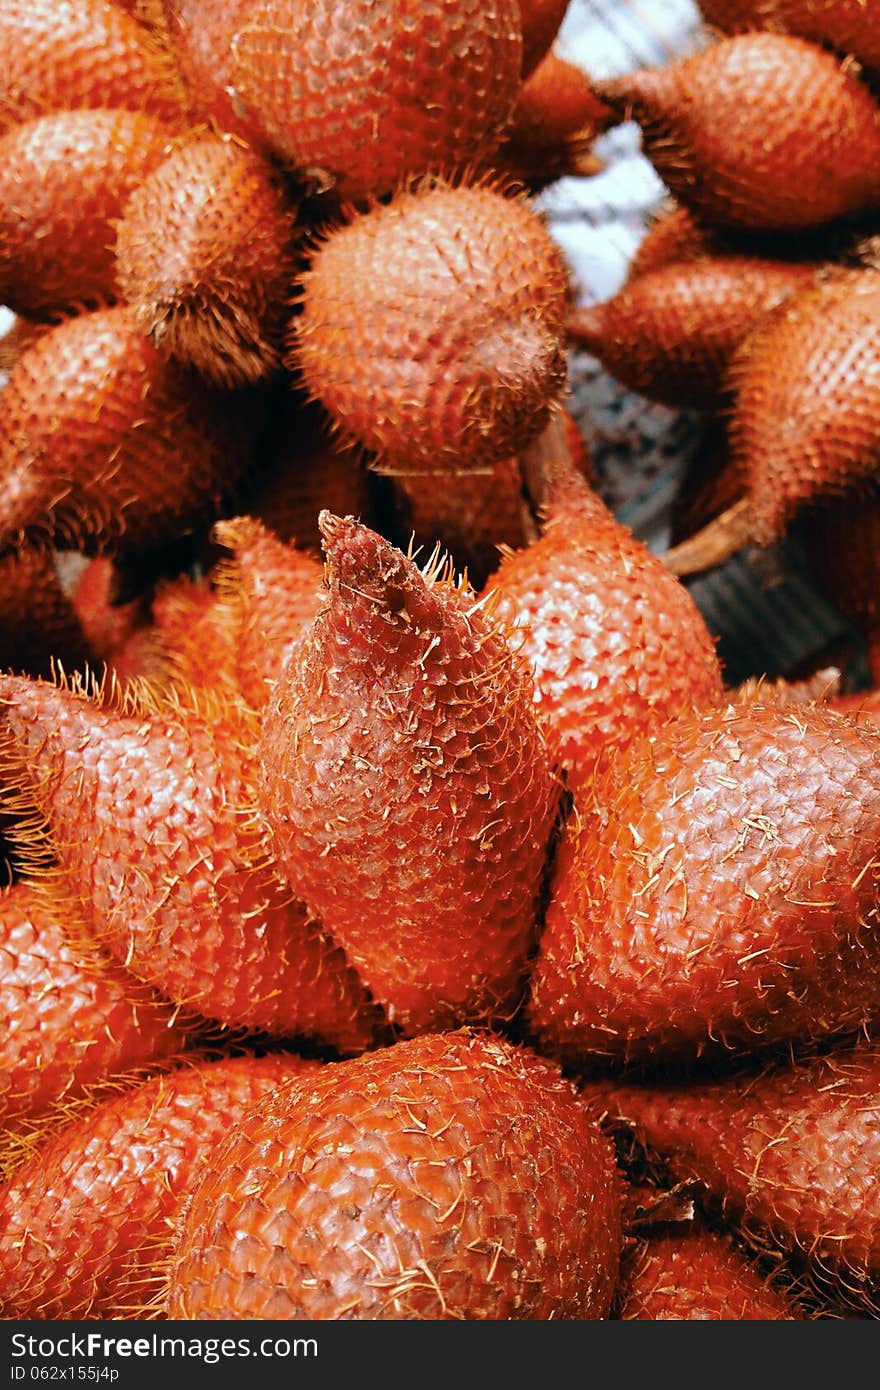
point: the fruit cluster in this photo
(382, 942)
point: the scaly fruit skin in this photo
(200, 34)
(204, 918)
(69, 1017)
(431, 328)
(806, 416)
(206, 254)
(338, 87)
(64, 179)
(104, 445)
(451, 1176)
(760, 132)
(270, 593)
(670, 333)
(408, 789)
(850, 26)
(64, 54)
(694, 1276)
(107, 625)
(717, 892)
(87, 1220)
(791, 1153)
(614, 641)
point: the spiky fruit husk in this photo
(451, 1176)
(105, 445)
(807, 399)
(69, 1017)
(850, 26)
(271, 593)
(206, 255)
(200, 34)
(431, 328)
(87, 1221)
(670, 333)
(64, 54)
(717, 892)
(471, 520)
(762, 131)
(64, 179)
(555, 122)
(540, 24)
(789, 1154)
(149, 814)
(688, 1275)
(408, 788)
(303, 470)
(614, 642)
(337, 87)
(39, 628)
(191, 645)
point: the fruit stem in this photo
(730, 531)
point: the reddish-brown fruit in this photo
(105, 445)
(761, 131)
(694, 1275)
(850, 26)
(87, 1221)
(305, 470)
(200, 34)
(270, 593)
(451, 1176)
(712, 481)
(614, 641)
(408, 787)
(39, 628)
(670, 333)
(150, 816)
(841, 537)
(69, 1017)
(64, 179)
(338, 87)
(556, 120)
(791, 1153)
(191, 643)
(470, 520)
(805, 421)
(79, 53)
(674, 235)
(540, 25)
(432, 328)
(718, 891)
(107, 625)
(206, 257)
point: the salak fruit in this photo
(205, 918)
(717, 891)
(432, 331)
(409, 791)
(86, 1221)
(451, 1176)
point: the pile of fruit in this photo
(408, 922)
